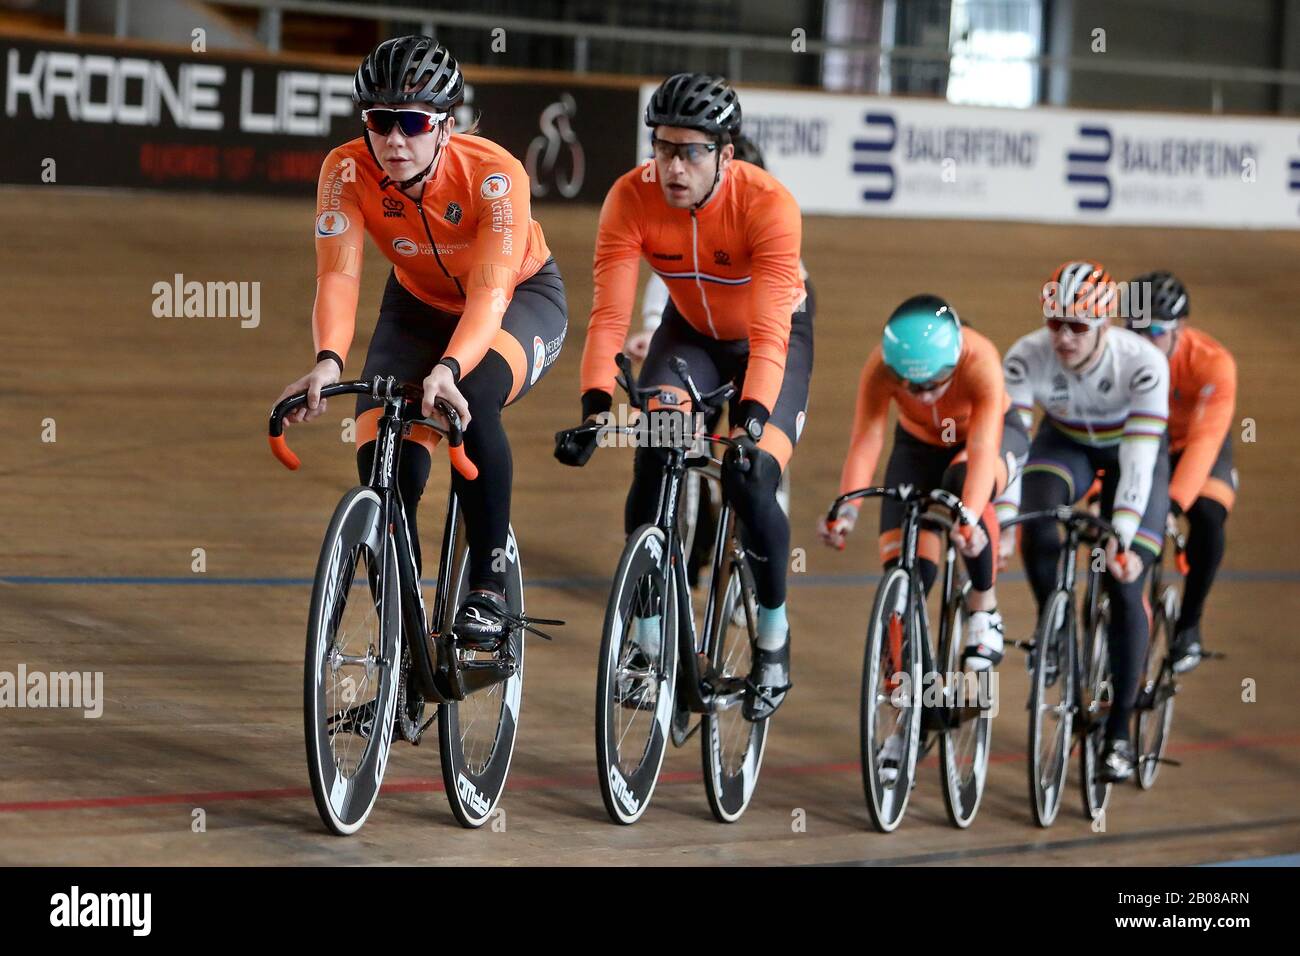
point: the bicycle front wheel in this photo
(636, 677)
(964, 744)
(1155, 709)
(352, 662)
(1051, 706)
(732, 747)
(1099, 691)
(476, 736)
(890, 714)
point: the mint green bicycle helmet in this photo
(922, 340)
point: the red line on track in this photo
(198, 798)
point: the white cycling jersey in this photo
(1122, 400)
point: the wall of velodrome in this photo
(91, 113)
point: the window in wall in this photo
(990, 43)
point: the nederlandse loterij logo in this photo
(75, 908)
(331, 224)
(495, 186)
(539, 358)
(405, 247)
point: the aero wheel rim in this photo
(734, 746)
(1100, 692)
(965, 747)
(635, 697)
(353, 656)
(1053, 715)
(1155, 719)
(734, 732)
(351, 667)
(636, 682)
(891, 706)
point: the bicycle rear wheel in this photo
(353, 655)
(1154, 714)
(732, 747)
(1098, 689)
(1051, 706)
(476, 736)
(636, 678)
(890, 715)
(963, 748)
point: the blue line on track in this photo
(795, 580)
(1292, 859)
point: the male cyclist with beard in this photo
(725, 237)
(474, 307)
(1104, 392)
(654, 300)
(1202, 398)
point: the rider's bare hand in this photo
(325, 373)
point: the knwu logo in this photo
(1086, 167)
(871, 156)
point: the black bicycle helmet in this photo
(1169, 299)
(410, 69)
(698, 101)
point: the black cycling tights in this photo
(1205, 545)
(485, 501)
(1040, 544)
(764, 527)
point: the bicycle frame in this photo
(690, 646)
(440, 676)
(915, 515)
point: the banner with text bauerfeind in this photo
(877, 156)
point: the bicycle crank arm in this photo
(1145, 759)
(527, 624)
(479, 675)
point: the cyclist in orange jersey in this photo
(724, 235)
(956, 430)
(474, 309)
(1202, 398)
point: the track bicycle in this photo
(376, 662)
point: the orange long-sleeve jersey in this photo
(1202, 398)
(970, 411)
(732, 270)
(462, 248)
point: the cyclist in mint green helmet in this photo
(956, 430)
(922, 340)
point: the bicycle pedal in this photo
(527, 624)
(1145, 759)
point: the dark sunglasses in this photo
(1156, 329)
(917, 388)
(689, 152)
(412, 122)
(1077, 328)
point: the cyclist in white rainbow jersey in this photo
(1104, 392)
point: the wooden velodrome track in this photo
(160, 450)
